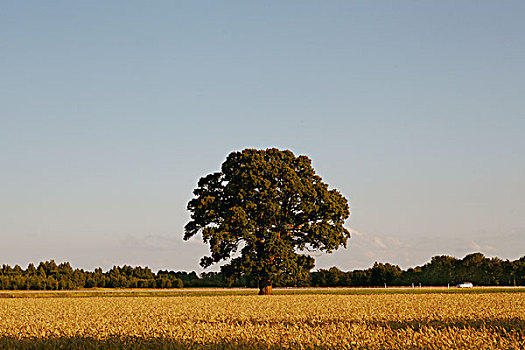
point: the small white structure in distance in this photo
(465, 285)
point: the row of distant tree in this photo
(50, 276)
(441, 270)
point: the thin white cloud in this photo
(474, 245)
(486, 248)
(379, 242)
(195, 241)
(364, 248)
(355, 233)
(151, 242)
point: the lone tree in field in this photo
(261, 211)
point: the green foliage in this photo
(381, 274)
(50, 276)
(262, 211)
(440, 271)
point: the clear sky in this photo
(110, 112)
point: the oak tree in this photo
(262, 214)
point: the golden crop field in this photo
(398, 321)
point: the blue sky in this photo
(111, 111)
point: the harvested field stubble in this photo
(431, 321)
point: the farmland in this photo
(385, 321)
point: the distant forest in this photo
(440, 271)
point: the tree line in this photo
(440, 271)
(50, 276)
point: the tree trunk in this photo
(265, 288)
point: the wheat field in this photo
(398, 321)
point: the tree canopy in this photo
(263, 212)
